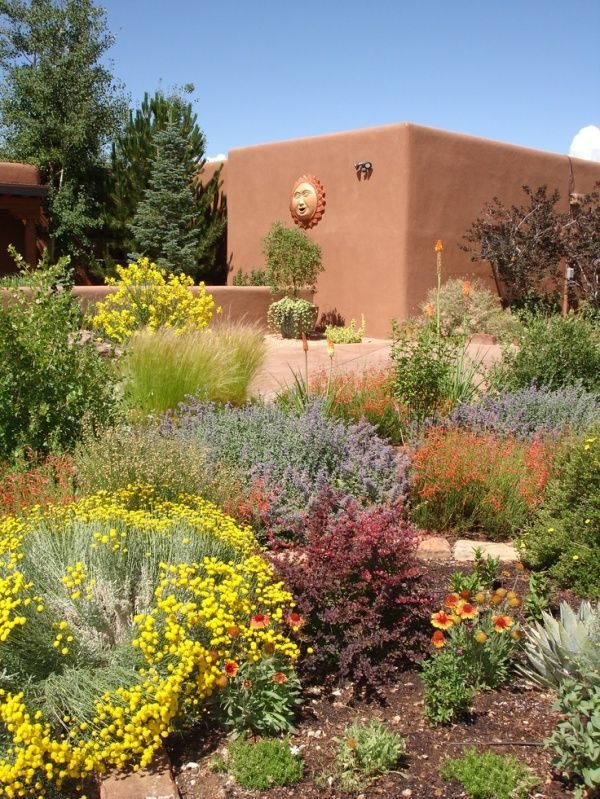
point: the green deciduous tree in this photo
(59, 108)
(133, 157)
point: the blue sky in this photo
(520, 71)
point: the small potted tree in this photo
(293, 264)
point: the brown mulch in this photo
(513, 721)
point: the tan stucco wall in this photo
(377, 235)
(248, 304)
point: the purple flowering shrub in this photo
(359, 589)
(530, 412)
(285, 460)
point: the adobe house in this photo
(21, 198)
(390, 193)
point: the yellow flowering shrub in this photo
(150, 297)
(120, 616)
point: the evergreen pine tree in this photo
(131, 169)
(164, 227)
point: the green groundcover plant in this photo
(487, 775)
(576, 739)
(262, 764)
(366, 751)
(51, 379)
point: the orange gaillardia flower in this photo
(519, 567)
(231, 668)
(467, 611)
(221, 681)
(259, 621)
(502, 623)
(233, 631)
(516, 634)
(295, 620)
(481, 637)
(465, 595)
(438, 639)
(451, 600)
(279, 677)
(501, 592)
(441, 620)
(514, 601)
(479, 597)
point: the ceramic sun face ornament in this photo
(307, 203)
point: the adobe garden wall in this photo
(377, 233)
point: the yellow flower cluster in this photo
(203, 614)
(150, 297)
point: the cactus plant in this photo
(565, 647)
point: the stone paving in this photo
(286, 356)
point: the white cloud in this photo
(218, 157)
(586, 143)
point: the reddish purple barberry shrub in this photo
(359, 588)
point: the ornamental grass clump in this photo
(150, 297)
(536, 411)
(472, 482)
(161, 369)
(121, 619)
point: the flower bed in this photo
(121, 617)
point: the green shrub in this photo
(50, 378)
(346, 335)
(127, 455)
(256, 277)
(293, 260)
(432, 373)
(467, 307)
(490, 776)
(564, 536)
(366, 751)
(291, 317)
(258, 766)
(447, 695)
(553, 351)
(149, 297)
(161, 369)
(576, 739)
